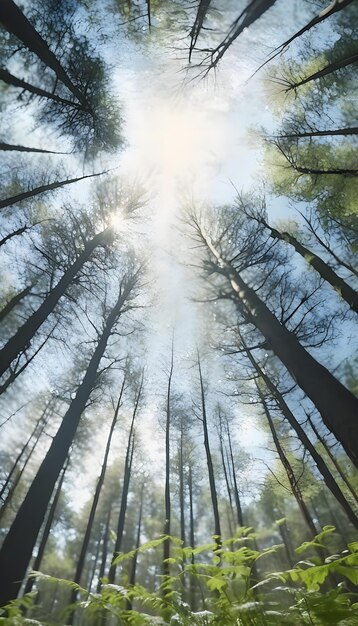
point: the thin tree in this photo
(31, 193)
(125, 487)
(336, 404)
(18, 545)
(167, 522)
(302, 436)
(16, 148)
(295, 488)
(347, 292)
(22, 338)
(213, 493)
(100, 481)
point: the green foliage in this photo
(224, 576)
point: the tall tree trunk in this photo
(38, 430)
(214, 499)
(16, 550)
(240, 519)
(336, 404)
(228, 489)
(46, 532)
(41, 425)
(325, 271)
(17, 23)
(15, 370)
(14, 81)
(192, 538)
(133, 574)
(167, 522)
(100, 481)
(125, 487)
(328, 69)
(181, 488)
(22, 338)
(336, 5)
(11, 304)
(296, 491)
(31, 193)
(333, 459)
(320, 133)
(105, 539)
(301, 434)
(16, 148)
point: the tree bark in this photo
(339, 285)
(16, 550)
(31, 193)
(336, 404)
(22, 338)
(17, 23)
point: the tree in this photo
(22, 338)
(213, 493)
(99, 485)
(126, 480)
(348, 294)
(326, 392)
(17, 548)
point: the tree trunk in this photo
(333, 459)
(328, 69)
(321, 465)
(166, 529)
(46, 532)
(103, 566)
(15, 371)
(133, 574)
(31, 193)
(43, 418)
(231, 508)
(320, 133)
(22, 338)
(181, 489)
(16, 550)
(339, 285)
(214, 499)
(296, 491)
(9, 306)
(192, 539)
(125, 488)
(17, 23)
(336, 404)
(240, 519)
(14, 81)
(16, 148)
(100, 481)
